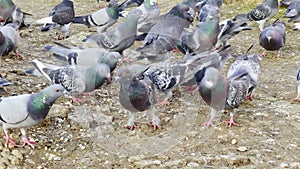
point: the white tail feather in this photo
(45, 20)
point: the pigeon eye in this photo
(57, 90)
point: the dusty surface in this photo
(91, 134)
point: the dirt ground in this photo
(91, 134)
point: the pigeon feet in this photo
(209, 123)
(279, 55)
(27, 141)
(162, 103)
(249, 96)
(297, 99)
(263, 54)
(155, 126)
(17, 56)
(9, 140)
(176, 50)
(131, 127)
(76, 100)
(231, 123)
(190, 90)
(126, 59)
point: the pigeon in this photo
(60, 15)
(229, 28)
(121, 37)
(3, 44)
(101, 19)
(293, 11)
(286, 3)
(273, 37)
(298, 88)
(164, 35)
(261, 14)
(4, 82)
(10, 12)
(12, 37)
(203, 37)
(27, 110)
(85, 56)
(129, 4)
(75, 78)
(192, 6)
(247, 63)
(208, 8)
(124, 76)
(150, 10)
(221, 93)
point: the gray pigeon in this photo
(121, 37)
(247, 63)
(129, 4)
(262, 13)
(293, 11)
(164, 35)
(75, 78)
(11, 33)
(3, 45)
(286, 3)
(60, 15)
(298, 88)
(9, 12)
(150, 10)
(101, 19)
(273, 37)
(146, 86)
(229, 28)
(124, 76)
(85, 56)
(27, 110)
(4, 82)
(203, 37)
(221, 93)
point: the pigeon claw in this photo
(297, 99)
(131, 127)
(9, 140)
(209, 123)
(190, 90)
(249, 96)
(76, 100)
(231, 123)
(27, 141)
(162, 103)
(155, 126)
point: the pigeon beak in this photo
(269, 38)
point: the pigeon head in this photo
(102, 74)
(279, 23)
(50, 94)
(181, 11)
(18, 16)
(111, 59)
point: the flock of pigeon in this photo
(144, 87)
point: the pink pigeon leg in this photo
(231, 121)
(210, 121)
(26, 140)
(76, 100)
(190, 90)
(162, 103)
(249, 96)
(9, 140)
(278, 55)
(130, 124)
(155, 122)
(298, 95)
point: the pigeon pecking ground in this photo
(91, 134)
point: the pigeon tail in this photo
(47, 27)
(45, 20)
(81, 20)
(41, 68)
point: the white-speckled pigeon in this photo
(11, 33)
(121, 37)
(262, 13)
(27, 110)
(60, 15)
(293, 11)
(298, 87)
(273, 37)
(247, 63)
(75, 78)
(164, 35)
(221, 93)
(101, 19)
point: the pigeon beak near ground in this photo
(27, 110)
